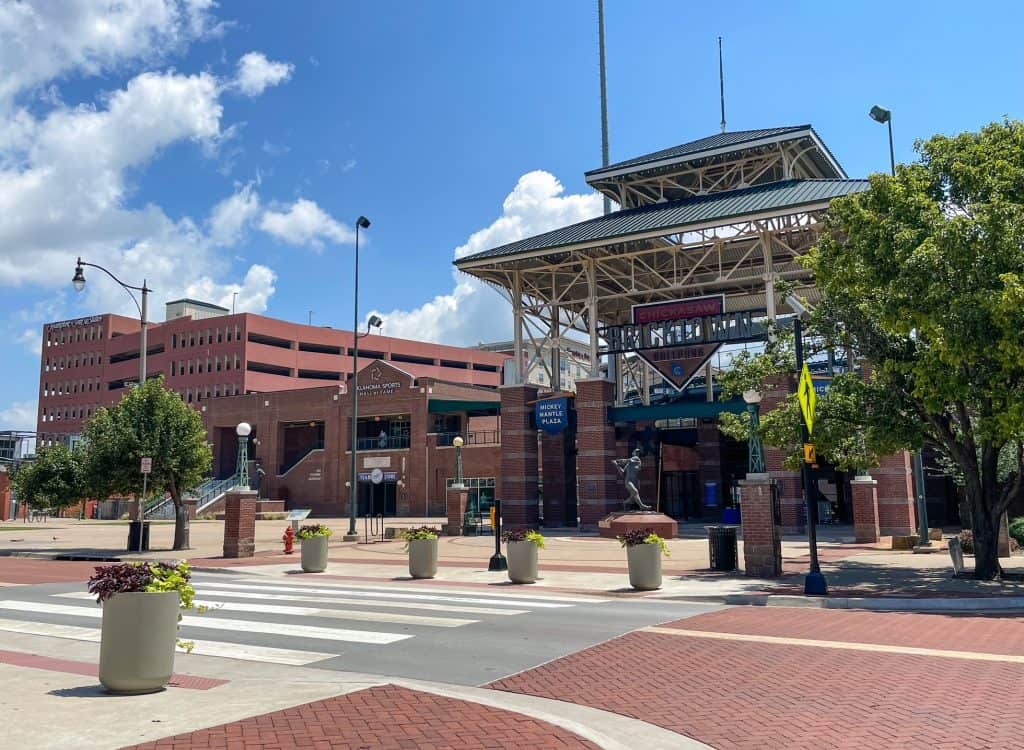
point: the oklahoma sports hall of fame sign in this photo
(678, 338)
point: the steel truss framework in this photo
(785, 160)
(573, 292)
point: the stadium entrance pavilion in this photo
(665, 289)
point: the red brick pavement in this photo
(380, 718)
(90, 669)
(34, 570)
(993, 635)
(734, 694)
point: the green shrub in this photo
(1017, 529)
(643, 536)
(967, 541)
(523, 535)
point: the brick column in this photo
(864, 492)
(788, 483)
(5, 495)
(552, 448)
(896, 511)
(599, 490)
(762, 536)
(456, 506)
(518, 484)
(239, 523)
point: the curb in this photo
(877, 604)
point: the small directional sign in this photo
(810, 453)
(147, 465)
(808, 397)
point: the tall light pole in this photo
(884, 116)
(78, 281)
(361, 223)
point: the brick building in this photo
(301, 439)
(205, 353)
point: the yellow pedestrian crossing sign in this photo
(808, 397)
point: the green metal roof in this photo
(693, 149)
(677, 215)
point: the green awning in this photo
(678, 410)
(446, 406)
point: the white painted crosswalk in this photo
(251, 618)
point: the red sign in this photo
(678, 365)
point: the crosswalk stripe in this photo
(344, 614)
(240, 651)
(247, 593)
(376, 594)
(216, 623)
(531, 596)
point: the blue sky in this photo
(219, 148)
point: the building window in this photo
(220, 336)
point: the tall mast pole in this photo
(604, 97)
(721, 82)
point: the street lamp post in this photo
(78, 281)
(814, 582)
(884, 116)
(242, 462)
(755, 449)
(361, 223)
(458, 443)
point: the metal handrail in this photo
(374, 444)
(475, 437)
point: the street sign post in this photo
(810, 453)
(808, 397)
(147, 466)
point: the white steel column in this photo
(592, 314)
(517, 328)
(556, 354)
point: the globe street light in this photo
(883, 116)
(242, 464)
(755, 449)
(458, 443)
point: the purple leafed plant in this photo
(122, 578)
(514, 535)
(635, 537)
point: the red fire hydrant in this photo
(289, 540)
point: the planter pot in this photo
(522, 562)
(644, 566)
(138, 637)
(423, 558)
(314, 554)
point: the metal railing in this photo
(382, 444)
(373, 528)
(212, 491)
(475, 437)
(286, 467)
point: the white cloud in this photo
(305, 223)
(232, 215)
(31, 339)
(20, 415)
(253, 293)
(473, 312)
(256, 73)
(45, 39)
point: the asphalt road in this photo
(407, 629)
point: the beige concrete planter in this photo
(644, 566)
(314, 554)
(423, 558)
(138, 637)
(522, 562)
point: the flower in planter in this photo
(643, 536)
(420, 532)
(146, 577)
(313, 530)
(523, 535)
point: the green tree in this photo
(153, 422)
(54, 479)
(923, 277)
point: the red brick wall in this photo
(553, 461)
(600, 492)
(896, 511)
(762, 538)
(239, 523)
(864, 493)
(518, 478)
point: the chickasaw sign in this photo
(678, 338)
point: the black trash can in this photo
(722, 547)
(133, 536)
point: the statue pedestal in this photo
(622, 521)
